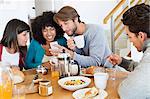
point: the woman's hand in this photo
(114, 59)
(60, 50)
(46, 48)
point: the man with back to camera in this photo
(137, 26)
(96, 47)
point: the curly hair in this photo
(137, 18)
(45, 20)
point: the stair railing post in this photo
(112, 34)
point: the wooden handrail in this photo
(119, 33)
(132, 1)
(139, 1)
(123, 11)
(113, 11)
(118, 25)
(145, 1)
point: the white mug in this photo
(100, 80)
(79, 41)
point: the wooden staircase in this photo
(117, 28)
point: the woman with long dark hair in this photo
(13, 43)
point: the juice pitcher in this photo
(6, 85)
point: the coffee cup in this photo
(79, 41)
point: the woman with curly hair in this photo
(45, 30)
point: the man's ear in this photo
(142, 35)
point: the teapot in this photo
(67, 66)
(74, 68)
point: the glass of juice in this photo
(5, 81)
(6, 90)
(54, 71)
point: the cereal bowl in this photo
(74, 82)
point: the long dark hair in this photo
(12, 29)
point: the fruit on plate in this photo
(74, 82)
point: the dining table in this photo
(60, 93)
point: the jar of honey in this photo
(45, 88)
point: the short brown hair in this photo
(137, 18)
(66, 13)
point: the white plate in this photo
(83, 74)
(74, 87)
(79, 94)
(87, 75)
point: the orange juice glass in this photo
(6, 90)
(55, 74)
(54, 71)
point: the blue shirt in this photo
(36, 53)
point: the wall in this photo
(90, 11)
(20, 9)
(43, 5)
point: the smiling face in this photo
(137, 40)
(68, 26)
(49, 33)
(23, 38)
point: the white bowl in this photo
(62, 81)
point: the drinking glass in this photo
(19, 92)
(100, 80)
(6, 83)
(54, 71)
(112, 73)
(111, 70)
(54, 67)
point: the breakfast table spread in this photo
(60, 93)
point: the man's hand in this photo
(114, 59)
(71, 44)
(60, 49)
